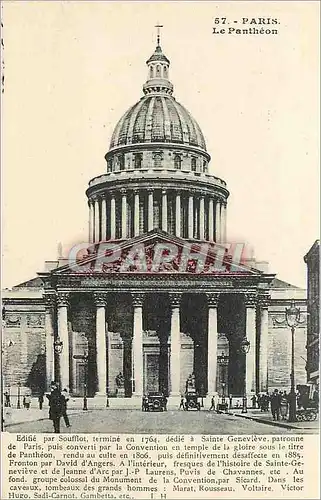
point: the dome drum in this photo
(172, 157)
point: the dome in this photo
(157, 117)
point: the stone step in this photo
(100, 402)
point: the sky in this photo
(73, 68)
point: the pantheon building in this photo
(160, 293)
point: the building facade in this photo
(312, 260)
(158, 294)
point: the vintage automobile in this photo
(154, 401)
(191, 401)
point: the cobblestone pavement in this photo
(170, 422)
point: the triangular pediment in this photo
(157, 252)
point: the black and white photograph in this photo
(160, 220)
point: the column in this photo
(150, 210)
(202, 219)
(124, 215)
(218, 221)
(250, 304)
(103, 228)
(91, 222)
(136, 213)
(264, 338)
(223, 223)
(101, 350)
(63, 303)
(212, 301)
(112, 217)
(178, 215)
(137, 348)
(97, 222)
(190, 217)
(164, 210)
(211, 220)
(49, 328)
(175, 366)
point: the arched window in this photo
(157, 157)
(165, 72)
(204, 166)
(158, 70)
(138, 160)
(151, 72)
(193, 164)
(178, 162)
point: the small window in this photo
(178, 162)
(138, 160)
(121, 162)
(193, 164)
(165, 72)
(158, 70)
(204, 166)
(151, 72)
(109, 166)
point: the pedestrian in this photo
(259, 401)
(55, 406)
(212, 404)
(7, 402)
(315, 397)
(40, 400)
(284, 404)
(275, 404)
(265, 402)
(165, 403)
(253, 399)
(65, 399)
(27, 401)
(181, 405)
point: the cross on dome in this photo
(158, 26)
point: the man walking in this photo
(275, 402)
(55, 406)
(65, 398)
(40, 400)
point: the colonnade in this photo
(128, 213)
(100, 300)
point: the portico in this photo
(135, 324)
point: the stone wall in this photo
(24, 346)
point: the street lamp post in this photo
(18, 398)
(58, 346)
(85, 357)
(223, 393)
(223, 361)
(244, 348)
(292, 317)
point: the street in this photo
(170, 422)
